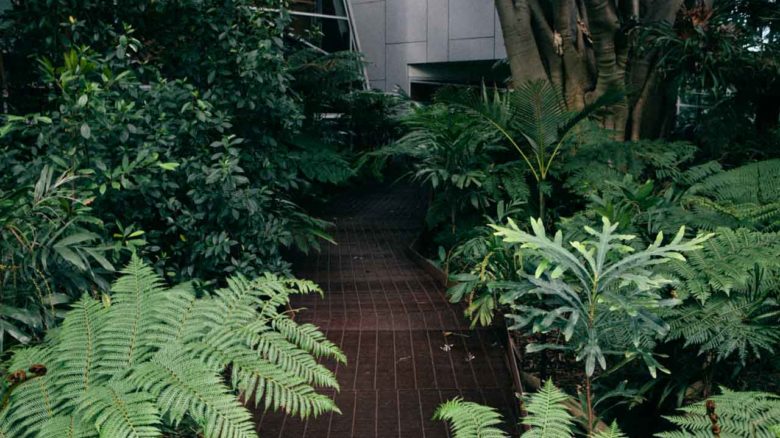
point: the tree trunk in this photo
(581, 46)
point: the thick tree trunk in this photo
(581, 46)
(521, 47)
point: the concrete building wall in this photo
(396, 33)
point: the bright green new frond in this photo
(470, 420)
(547, 415)
(740, 414)
(119, 410)
(183, 386)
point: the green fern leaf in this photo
(547, 415)
(470, 420)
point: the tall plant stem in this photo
(541, 201)
(589, 402)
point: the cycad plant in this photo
(144, 357)
(534, 119)
(602, 295)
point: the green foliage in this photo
(533, 118)
(469, 419)
(48, 253)
(547, 416)
(144, 356)
(731, 263)
(612, 432)
(194, 142)
(456, 161)
(739, 414)
(484, 265)
(603, 295)
(743, 197)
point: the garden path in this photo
(408, 348)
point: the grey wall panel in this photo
(399, 56)
(396, 33)
(370, 23)
(472, 49)
(406, 21)
(471, 18)
(378, 85)
(438, 30)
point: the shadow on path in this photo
(408, 348)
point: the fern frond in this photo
(134, 298)
(470, 420)
(146, 355)
(30, 406)
(119, 410)
(309, 338)
(183, 386)
(612, 432)
(748, 196)
(547, 415)
(67, 427)
(78, 350)
(740, 414)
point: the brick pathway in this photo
(408, 348)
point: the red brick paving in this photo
(393, 322)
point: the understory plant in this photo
(142, 357)
(50, 250)
(534, 120)
(601, 295)
(733, 414)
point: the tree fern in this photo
(748, 196)
(119, 409)
(729, 263)
(469, 419)
(739, 414)
(734, 279)
(547, 415)
(145, 356)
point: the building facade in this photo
(408, 43)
